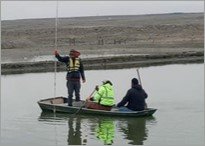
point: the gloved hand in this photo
(56, 53)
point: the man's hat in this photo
(75, 53)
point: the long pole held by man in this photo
(138, 73)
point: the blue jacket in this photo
(135, 98)
(74, 75)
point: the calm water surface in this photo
(177, 91)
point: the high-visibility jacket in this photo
(73, 65)
(105, 95)
(106, 131)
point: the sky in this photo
(11, 10)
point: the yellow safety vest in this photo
(73, 65)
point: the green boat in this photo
(59, 105)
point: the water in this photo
(177, 91)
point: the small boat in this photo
(60, 105)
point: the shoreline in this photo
(114, 62)
(109, 42)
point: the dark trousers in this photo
(73, 86)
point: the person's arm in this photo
(61, 59)
(124, 100)
(99, 94)
(145, 94)
(82, 71)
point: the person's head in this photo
(74, 53)
(107, 82)
(134, 82)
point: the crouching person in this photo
(103, 98)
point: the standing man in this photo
(75, 72)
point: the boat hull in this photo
(59, 104)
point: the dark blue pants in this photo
(73, 86)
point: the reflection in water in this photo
(135, 130)
(103, 128)
(74, 133)
(105, 131)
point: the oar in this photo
(138, 73)
(91, 94)
(84, 103)
(140, 81)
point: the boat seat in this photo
(94, 105)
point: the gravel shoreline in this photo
(115, 41)
(115, 62)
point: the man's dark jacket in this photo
(135, 98)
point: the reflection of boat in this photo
(59, 104)
(75, 131)
(135, 130)
(85, 129)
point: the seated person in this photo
(103, 98)
(135, 98)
